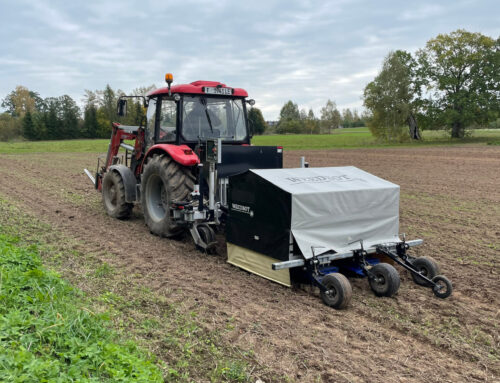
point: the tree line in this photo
(452, 83)
(29, 116)
(293, 120)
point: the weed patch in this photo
(46, 333)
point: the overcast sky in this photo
(306, 51)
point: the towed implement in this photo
(192, 169)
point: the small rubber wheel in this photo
(427, 267)
(385, 281)
(113, 196)
(443, 287)
(338, 291)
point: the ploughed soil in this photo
(450, 197)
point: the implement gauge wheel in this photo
(207, 235)
(113, 196)
(338, 291)
(163, 182)
(427, 267)
(385, 281)
(443, 287)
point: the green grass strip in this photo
(340, 138)
(46, 333)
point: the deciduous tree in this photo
(330, 116)
(312, 123)
(393, 98)
(256, 121)
(21, 100)
(290, 121)
(462, 74)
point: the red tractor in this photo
(177, 169)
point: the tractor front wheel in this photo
(113, 196)
(164, 181)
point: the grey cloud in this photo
(306, 51)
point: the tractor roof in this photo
(198, 87)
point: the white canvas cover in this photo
(334, 206)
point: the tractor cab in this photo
(193, 113)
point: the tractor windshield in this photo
(213, 117)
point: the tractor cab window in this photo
(168, 119)
(150, 117)
(213, 117)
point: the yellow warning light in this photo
(169, 78)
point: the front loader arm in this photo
(118, 134)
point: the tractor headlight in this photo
(177, 97)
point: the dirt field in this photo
(450, 197)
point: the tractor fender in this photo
(182, 154)
(129, 181)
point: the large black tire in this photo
(385, 281)
(339, 291)
(113, 196)
(164, 181)
(427, 267)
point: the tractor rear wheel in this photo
(164, 181)
(385, 280)
(338, 291)
(113, 196)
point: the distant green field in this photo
(362, 138)
(340, 138)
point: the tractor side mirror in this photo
(122, 107)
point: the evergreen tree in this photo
(52, 120)
(28, 127)
(108, 103)
(69, 115)
(90, 126)
(40, 131)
